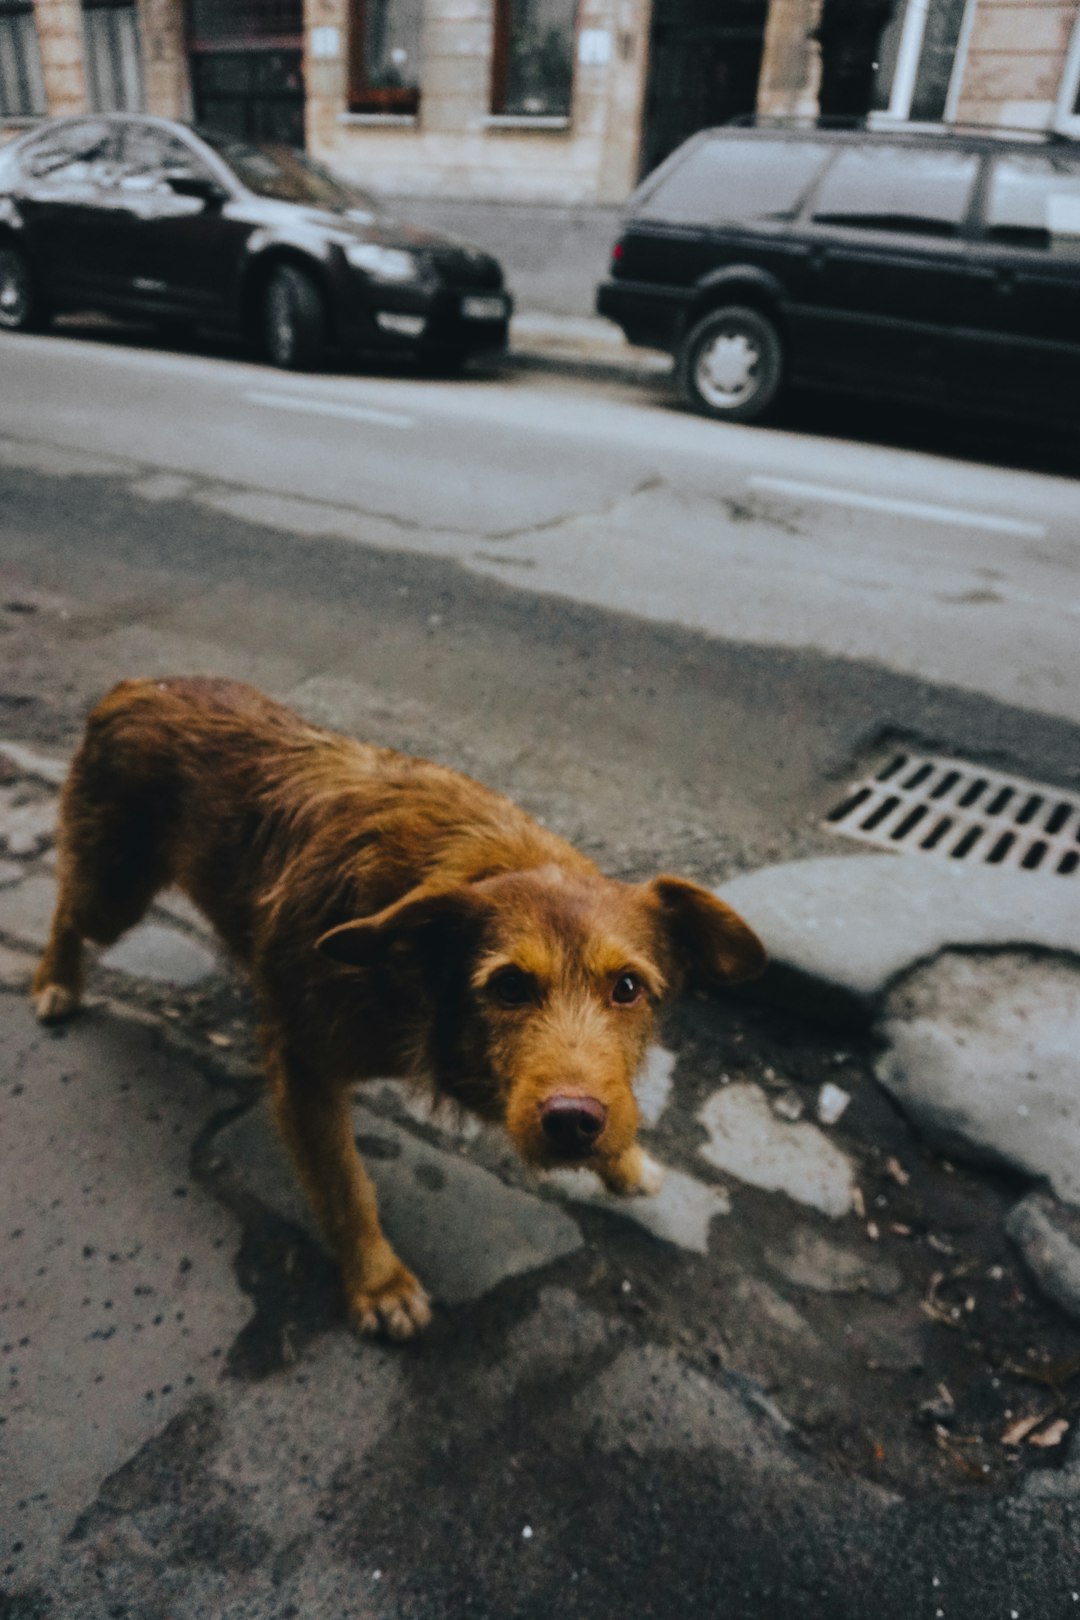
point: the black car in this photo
(146, 217)
(933, 265)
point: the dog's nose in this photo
(573, 1125)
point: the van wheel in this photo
(21, 308)
(293, 320)
(731, 364)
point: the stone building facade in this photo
(536, 101)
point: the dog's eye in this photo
(627, 989)
(511, 987)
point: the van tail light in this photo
(617, 252)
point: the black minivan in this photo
(933, 265)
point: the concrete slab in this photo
(748, 1141)
(26, 910)
(1047, 1233)
(851, 924)
(985, 1059)
(458, 1225)
(654, 1085)
(812, 1262)
(162, 954)
(681, 1212)
(651, 1398)
(45, 767)
(16, 969)
(27, 826)
(117, 1295)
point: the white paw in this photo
(636, 1175)
(652, 1177)
(55, 1003)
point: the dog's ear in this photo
(423, 917)
(709, 941)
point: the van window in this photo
(1034, 202)
(897, 188)
(722, 179)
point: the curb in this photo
(581, 345)
(843, 930)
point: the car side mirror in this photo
(200, 186)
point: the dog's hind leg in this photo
(112, 862)
(315, 1123)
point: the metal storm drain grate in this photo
(929, 806)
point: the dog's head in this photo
(543, 985)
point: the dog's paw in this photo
(635, 1175)
(55, 1002)
(397, 1306)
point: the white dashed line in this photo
(329, 407)
(956, 516)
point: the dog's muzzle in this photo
(572, 1126)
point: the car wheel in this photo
(294, 320)
(731, 364)
(21, 309)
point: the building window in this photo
(921, 60)
(113, 58)
(384, 56)
(1068, 108)
(533, 58)
(22, 90)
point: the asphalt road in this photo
(673, 641)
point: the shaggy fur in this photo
(396, 919)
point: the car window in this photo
(71, 154)
(273, 170)
(148, 154)
(724, 179)
(897, 188)
(1034, 202)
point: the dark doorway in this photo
(704, 61)
(247, 67)
(850, 35)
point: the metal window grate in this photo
(925, 805)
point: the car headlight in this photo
(385, 263)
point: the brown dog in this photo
(396, 918)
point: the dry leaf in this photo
(858, 1202)
(220, 1040)
(895, 1169)
(1052, 1435)
(1018, 1431)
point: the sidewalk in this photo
(820, 1323)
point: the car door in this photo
(884, 259)
(63, 195)
(182, 251)
(1019, 338)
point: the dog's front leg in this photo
(315, 1123)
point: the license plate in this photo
(483, 309)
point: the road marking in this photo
(957, 516)
(330, 407)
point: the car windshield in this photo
(272, 170)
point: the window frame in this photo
(909, 59)
(28, 69)
(502, 32)
(133, 97)
(364, 98)
(1066, 119)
